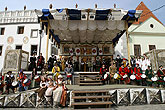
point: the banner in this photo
(77, 50)
(100, 51)
(94, 51)
(71, 51)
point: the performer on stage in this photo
(149, 73)
(98, 64)
(21, 77)
(32, 62)
(138, 73)
(69, 72)
(9, 79)
(123, 73)
(1, 83)
(42, 89)
(118, 62)
(33, 74)
(55, 71)
(51, 62)
(40, 62)
(49, 92)
(112, 71)
(60, 92)
(103, 71)
(161, 76)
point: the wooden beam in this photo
(47, 43)
(128, 47)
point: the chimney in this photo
(25, 7)
(5, 8)
(50, 6)
(114, 5)
(76, 5)
(95, 5)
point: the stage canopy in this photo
(87, 25)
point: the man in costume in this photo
(112, 71)
(60, 93)
(1, 83)
(118, 62)
(55, 71)
(103, 71)
(9, 79)
(40, 61)
(160, 76)
(149, 73)
(51, 62)
(123, 71)
(69, 72)
(32, 62)
(21, 77)
(138, 73)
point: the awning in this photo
(87, 25)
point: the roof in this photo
(145, 14)
(87, 25)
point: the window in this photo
(137, 50)
(54, 50)
(34, 33)
(33, 49)
(2, 30)
(0, 50)
(106, 50)
(18, 47)
(20, 29)
(151, 47)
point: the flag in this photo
(77, 50)
(100, 51)
(94, 51)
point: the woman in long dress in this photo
(59, 93)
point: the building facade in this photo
(20, 30)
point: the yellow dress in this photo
(55, 71)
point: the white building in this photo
(20, 30)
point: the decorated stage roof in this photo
(87, 25)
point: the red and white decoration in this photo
(94, 51)
(100, 51)
(77, 50)
(71, 51)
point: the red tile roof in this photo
(145, 14)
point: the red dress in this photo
(122, 72)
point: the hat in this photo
(124, 58)
(60, 76)
(137, 63)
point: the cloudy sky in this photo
(125, 4)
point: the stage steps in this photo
(89, 79)
(90, 99)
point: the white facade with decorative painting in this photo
(20, 29)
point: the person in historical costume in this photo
(32, 62)
(103, 71)
(33, 74)
(49, 92)
(42, 89)
(69, 72)
(149, 73)
(123, 71)
(60, 93)
(139, 61)
(55, 71)
(82, 65)
(118, 62)
(90, 65)
(40, 61)
(63, 64)
(98, 64)
(94, 65)
(1, 83)
(138, 73)
(161, 76)
(133, 62)
(112, 71)
(21, 77)
(8, 81)
(45, 69)
(124, 62)
(143, 65)
(51, 62)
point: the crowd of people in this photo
(117, 71)
(139, 72)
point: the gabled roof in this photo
(145, 14)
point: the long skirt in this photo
(57, 94)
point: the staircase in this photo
(90, 79)
(90, 99)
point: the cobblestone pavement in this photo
(137, 107)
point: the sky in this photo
(124, 4)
